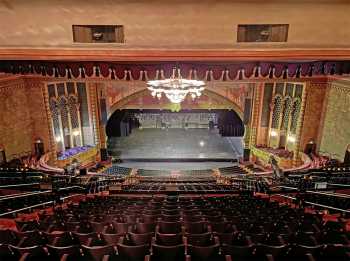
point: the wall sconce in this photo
(273, 133)
(76, 133)
(291, 139)
(58, 139)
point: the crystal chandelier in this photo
(176, 88)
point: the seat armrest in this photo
(269, 257)
(209, 228)
(228, 258)
(310, 257)
(129, 228)
(188, 258)
(147, 258)
(64, 257)
(20, 244)
(121, 239)
(105, 258)
(216, 240)
(24, 257)
(185, 240)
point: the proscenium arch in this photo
(230, 104)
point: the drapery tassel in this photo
(82, 71)
(112, 73)
(298, 72)
(97, 71)
(257, 71)
(271, 72)
(332, 71)
(43, 70)
(240, 74)
(285, 72)
(323, 69)
(55, 72)
(68, 73)
(31, 68)
(21, 69)
(311, 70)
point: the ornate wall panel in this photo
(23, 117)
(336, 130)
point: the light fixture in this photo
(273, 133)
(291, 139)
(176, 88)
(76, 133)
(201, 143)
(58, 139)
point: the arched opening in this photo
(144, 129)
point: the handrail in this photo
(329, 194)
(22, 195)
(292, 188)
(284, 196)
(26, 208)
(70, 196)
(335, 184)
(18, 185)
(325, 206)
(315, 204)
(67, 188)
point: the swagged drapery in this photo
(196, 70)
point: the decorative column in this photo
(254, 124)
(296, 158)
(52, 141)
(94, 114)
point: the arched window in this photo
(276, 112)
(55, 117)
(62, 103)
(295, 115)
(286, 112)
(73, 110)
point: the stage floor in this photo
(173, 144)
(169, 166)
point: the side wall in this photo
(23, 117)
(336, 131)
(315, 95)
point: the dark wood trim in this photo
(79, 54)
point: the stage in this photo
(175, 144)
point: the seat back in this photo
(140, 239)
(204, 253)
(142, 228)
(169, 239)
(170, 227)
(98, 252)
(168, 253)
(134, 253)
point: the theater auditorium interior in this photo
(184, 130)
